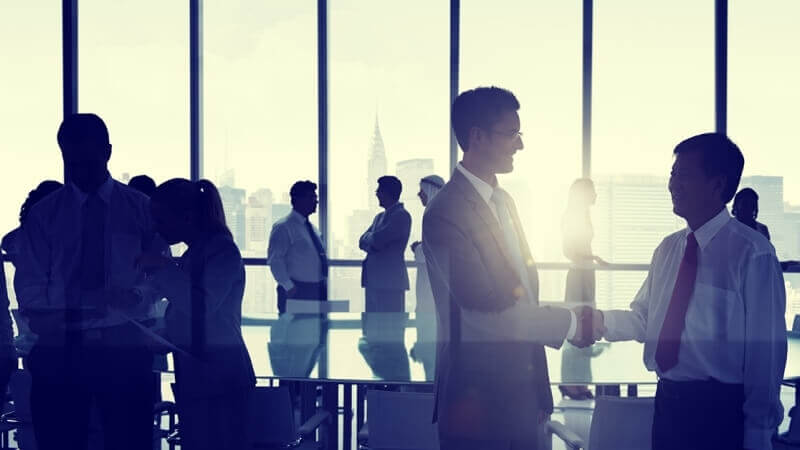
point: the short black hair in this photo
(143, 184)
(84, 130)
(391, 185)
(301, 188)
(480, 107)
(721, 157)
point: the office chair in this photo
(399, 421)
(618, 423)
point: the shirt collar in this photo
(708, 230)
(395, 206)
(297, 216)
(485, 190)
(104, 191)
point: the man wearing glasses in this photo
(492, 386)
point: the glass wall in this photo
(388, 113)
(134, 73)
(260, 127)
(30, 105)
(763, 94)
(652, 86)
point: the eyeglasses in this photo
(508, 134)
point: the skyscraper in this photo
(376, 165)
(632, 216)
(235, 213)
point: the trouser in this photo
(384, 300)
(219, 422)
(698, 415)
(108, 368)
(305, 291)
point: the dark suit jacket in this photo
(385, 242)
(489, 384)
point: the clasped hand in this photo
(590, 327)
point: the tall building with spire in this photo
(376, 165)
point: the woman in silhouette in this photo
(577, 232)
(213, 371)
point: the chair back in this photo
(271, 418)
(401, 421)
(621, 423)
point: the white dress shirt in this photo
(50, 252)
(505, 320)
(291, 253)
(735, 328)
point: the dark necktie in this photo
(323, 260)
(669, 340)
(92, 268)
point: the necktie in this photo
(92, 268)
(512, 242)
(669, 340)
(323, 260)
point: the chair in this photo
(20, 387)
(618, 423)
(272, 425)
(400, 421)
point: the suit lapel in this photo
(482, 210)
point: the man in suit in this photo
(492, 385)
(383, 272)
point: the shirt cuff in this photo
(573, 326)
(288, 285)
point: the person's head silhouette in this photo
(487, 127)
(185, 211)
(428, 188)
(42, 190)
(143, 184)
(304, 197)
(85, 149)
(704, 176)
(389, 190)
(581, 194)
(745, 206)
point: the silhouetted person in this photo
(205, 286)
(8, 354)
(577, 234)
(424, 349)
(143, 184)
(492, 387)
(77, 284)
(710, 313)
(10, 243)
(296, 255)
(745, 209)
(383, 272)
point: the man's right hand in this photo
(590, 326)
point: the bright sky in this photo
(653, 85)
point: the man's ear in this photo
(107, 154)
(476, 134)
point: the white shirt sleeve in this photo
(630, 325)
(764, 349)
(277, 254)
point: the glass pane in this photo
(389, 108)
(532, 48)
(134, 73)
(260, 111)
(31, 106)
(763, 93)
(652, 87)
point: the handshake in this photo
(590, 327)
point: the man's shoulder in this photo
(131, 195)
(742, 236)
